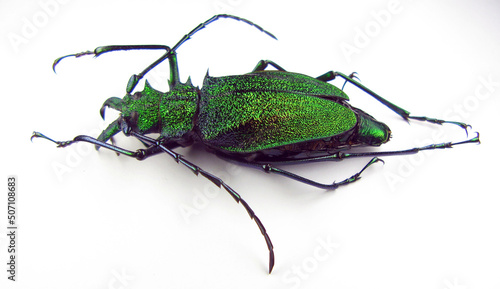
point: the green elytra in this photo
(268, 109)
(260, 119)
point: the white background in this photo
(426, 221)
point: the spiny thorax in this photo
(170, 114)
(177, 110)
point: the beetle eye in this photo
(136, 95)
(126, 129)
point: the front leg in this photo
(139, 154)
(89, 139)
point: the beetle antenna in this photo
(134, 79)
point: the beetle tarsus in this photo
(40, 135)
(440, 122)
(357, 176)
(472, 140)
(80, 54)
(351, 76)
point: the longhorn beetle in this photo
(261, 119)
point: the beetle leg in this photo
(440, 121)
(268, 168)
(413, 150)
(103, 49)
(86, 138)
(400, 111)
(261, 65)
(352, 76)
(338, 156)
(216, 181)
(330, 75)
(139, 154)
(109, 132)
(169, 54)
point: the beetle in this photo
(261, 119)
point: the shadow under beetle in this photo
(262, 119)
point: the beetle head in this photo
(139, 113)
(150, 111)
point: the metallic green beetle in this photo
(261, 119)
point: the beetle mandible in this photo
(261, 119)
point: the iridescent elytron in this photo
(262, 119)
